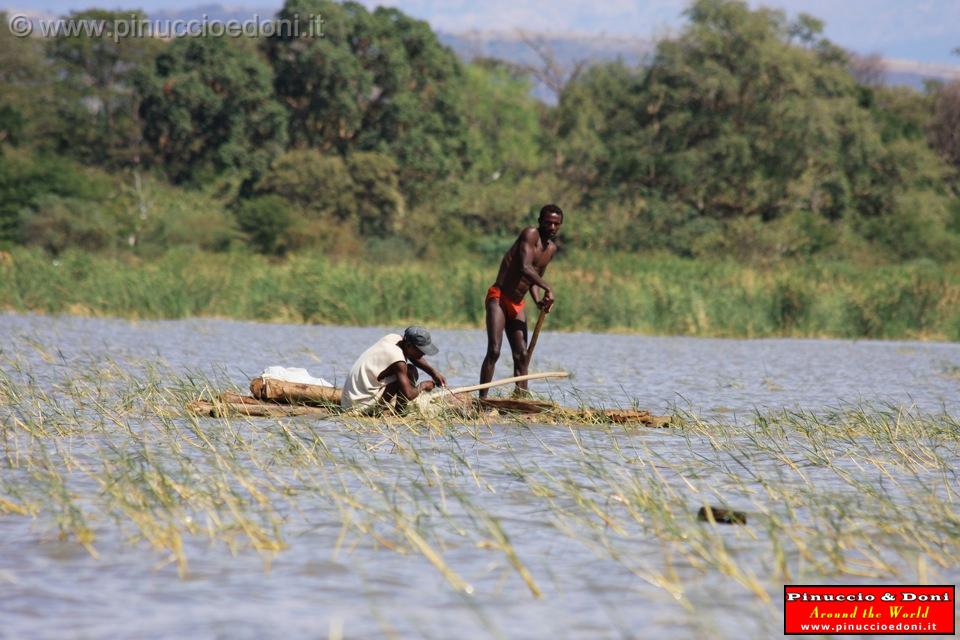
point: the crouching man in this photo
(385, 375)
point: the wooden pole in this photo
(497, 383)
(536, 334)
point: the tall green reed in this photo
(609, 292)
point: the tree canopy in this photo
(208, 106)
(748, 115)
(376, 81)
(747, 134)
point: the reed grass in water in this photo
(601, 292)
(857, 493)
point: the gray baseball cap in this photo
(420, 338)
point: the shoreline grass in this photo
(625, 293)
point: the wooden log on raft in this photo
(230, 397)
(272, 390)
(233, 404)
(516, 405)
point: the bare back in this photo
(511, 279)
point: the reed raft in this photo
(274, 398)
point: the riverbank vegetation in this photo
(620, 292)
(750, 178)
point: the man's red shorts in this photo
(510, 308)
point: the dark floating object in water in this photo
(721, 516)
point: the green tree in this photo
(380, 204)
(26, 88)
(504, 133)
(96, 101)
(361, 192)
(510, 168)
(26, 179)
(58, 223)
(746, 115)
(900, 112)
(945, 123)
(208, 107)
(161, 216)
(12, 124)
(267, 221)
(730, 113)
(318, 184)
(592, 111)
(377, 81)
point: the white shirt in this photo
(362, 387)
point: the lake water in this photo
(324, 586)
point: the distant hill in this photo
(915, 74)
(567, 49)
(574, 48)
(215, 12)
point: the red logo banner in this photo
(862, 610)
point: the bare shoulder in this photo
(530, 234)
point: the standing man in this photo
(382, 377)
(521, 269)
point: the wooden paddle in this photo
(536, 334)
(426, 402)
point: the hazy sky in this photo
(924, 30)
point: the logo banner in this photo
(869, 610)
